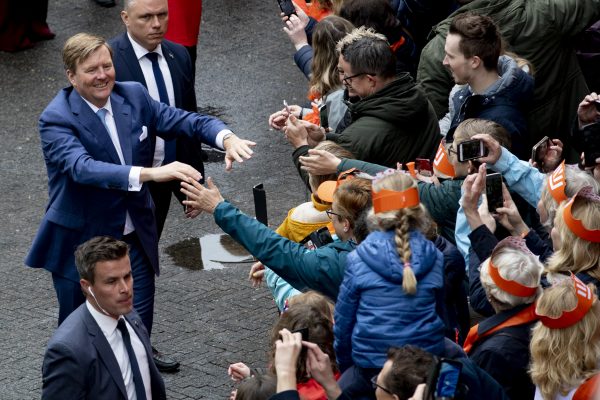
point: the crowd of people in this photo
(451, 245)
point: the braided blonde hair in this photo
(402, 221)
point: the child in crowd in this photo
(391, 294)
(256, 387)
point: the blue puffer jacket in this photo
(373, 313)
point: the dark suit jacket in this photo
(88, 186)
(79, 362)
(128, 68)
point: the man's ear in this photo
(125, 18)
(476, 62)
(85, 286)
(70, 77)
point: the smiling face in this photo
(112, 288)
(455, 61)
(147, 21)
(94, 77)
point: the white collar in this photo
(107, 324)
(107, 106)
(140, 51)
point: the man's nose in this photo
(155, 21)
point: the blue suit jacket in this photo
(79, 362)
(127, 68)
(88, 186)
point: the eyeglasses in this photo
(330, 213)
(347, 80)
(376, 385)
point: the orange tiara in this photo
(327, 189)
(585, 299)
(576, 225)
(557, 183)
(389, 200)
(512, 287)
(441, 162)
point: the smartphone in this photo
(424, 167)
(470, 150)
(443, 380)
(448, 379)
(591, 144)
(539, 150)
(287, 7)
(317, 239)
(493, 191)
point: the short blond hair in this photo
(79, 47)
(514, 265)
(563, 358)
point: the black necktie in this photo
(158, 77)
(135, 369)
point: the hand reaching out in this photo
(320, 162)
(201, 198)
(238, 371)
(257, 273)
(237, 149)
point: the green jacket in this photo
(539, 31)
(441, 201)
(321, 269)
(395, 124)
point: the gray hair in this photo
(368, 52)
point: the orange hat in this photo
(585, 299)
(575, 225)
(512, 287)
(328, 188)
(557, 183)
(441, 162)
(389, 200)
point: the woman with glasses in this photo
(321, 269)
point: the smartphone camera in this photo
(539, 150)
(470, 150)
(493, 191)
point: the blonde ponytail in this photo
(409, 281)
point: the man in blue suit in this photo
(98, 139)
(135, 54)
(102, 350)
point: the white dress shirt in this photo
(108, 326)
(146, 66)
(134, 173)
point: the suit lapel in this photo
(176, 73)
(128, 55)
(121, 113)
(105, 352)
(157, 383)
(91, 123)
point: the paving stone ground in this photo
(205, 319)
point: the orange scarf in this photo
(524, 316)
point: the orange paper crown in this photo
(575, 225)
(442, 163)
(389, 200)
(557, 183)
(512, 287)
(328, 188)
(585, 299)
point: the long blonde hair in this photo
(402, 221)
(562, 358)
(580, 255)
(324, 76)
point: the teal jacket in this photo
(321, 269)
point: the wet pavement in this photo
(205, 316)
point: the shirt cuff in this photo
(219, 138)
(503, 162)
(134, 179)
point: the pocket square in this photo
(144, 134)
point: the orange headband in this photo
(328, 188)
(585, 299)
(576, 225)
(512, 287)
(442, 163)
(389, 200)
(557, 183)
